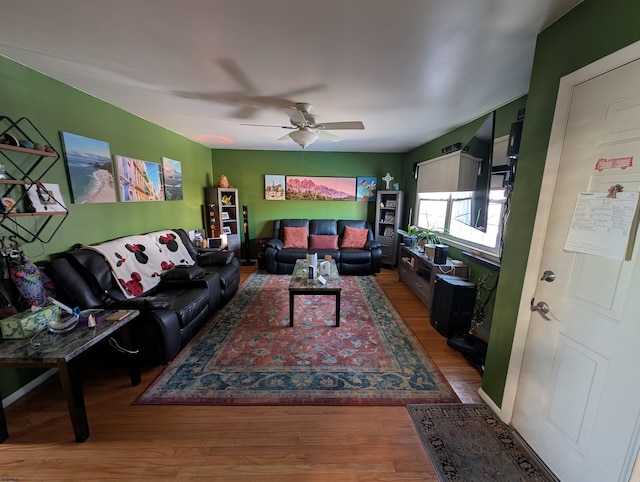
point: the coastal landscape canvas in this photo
(308, 188)
(172, 174)
(138, 180)
(89, 168)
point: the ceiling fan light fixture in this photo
(304, 136)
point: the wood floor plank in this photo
(219, 443)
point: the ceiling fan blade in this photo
(284, 138)
(329, 137)
(268, 125)
(340, 125)
(297, 117)
(247, 112)
(238, 75)
(303, 90)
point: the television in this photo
(480, 147)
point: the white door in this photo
(578, 397)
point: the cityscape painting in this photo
(138, 180)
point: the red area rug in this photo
(248, 354)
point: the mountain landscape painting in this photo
(305, 188)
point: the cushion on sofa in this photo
(215, 258)
(323, 241)
(295, 237)
(182, 273)
(354, 237)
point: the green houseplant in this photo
(415, 235)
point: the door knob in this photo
(548, 276)
(542, 308)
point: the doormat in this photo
(249, 355)
(468, 442)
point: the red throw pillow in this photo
(323, 241)
(295, 237)
(354, 237)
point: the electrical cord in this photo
(121, 349)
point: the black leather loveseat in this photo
(354, 250)
(172, 312)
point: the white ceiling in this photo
(410, 70)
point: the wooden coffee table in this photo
(301, 285)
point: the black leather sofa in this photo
(365, 260)
(171, 313)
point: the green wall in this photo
(505, 116)
(589, 32)
(54, 107)
(246, 170)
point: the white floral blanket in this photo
(137, 261)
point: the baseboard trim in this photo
(492, 405)
(22, 391)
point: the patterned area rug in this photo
(469, 443)
(247, 354)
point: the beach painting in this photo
(138, 180)
(172, 174)
(89, 168)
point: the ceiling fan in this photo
(305, 128)
(248, 100)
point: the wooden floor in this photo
(287, 443)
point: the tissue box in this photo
(28, 323)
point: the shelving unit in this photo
(388, 219)
(227, 213)
(25, 167)
(419, 272)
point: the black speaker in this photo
(453, 301)
(247, 243)
(515, 134)
(210, 220)
(440, 254)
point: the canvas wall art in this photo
(366, 189)
(138, 180)
(172, 175)
(308, 188)
(89, 168)
(274, 187)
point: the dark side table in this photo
(46, 350)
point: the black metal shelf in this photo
(27, 166)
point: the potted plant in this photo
(414, 235)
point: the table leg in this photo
(72, 389)
(132, 358)
(4, 432)
(338, 308)
(291, 298)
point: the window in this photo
(445, 211)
